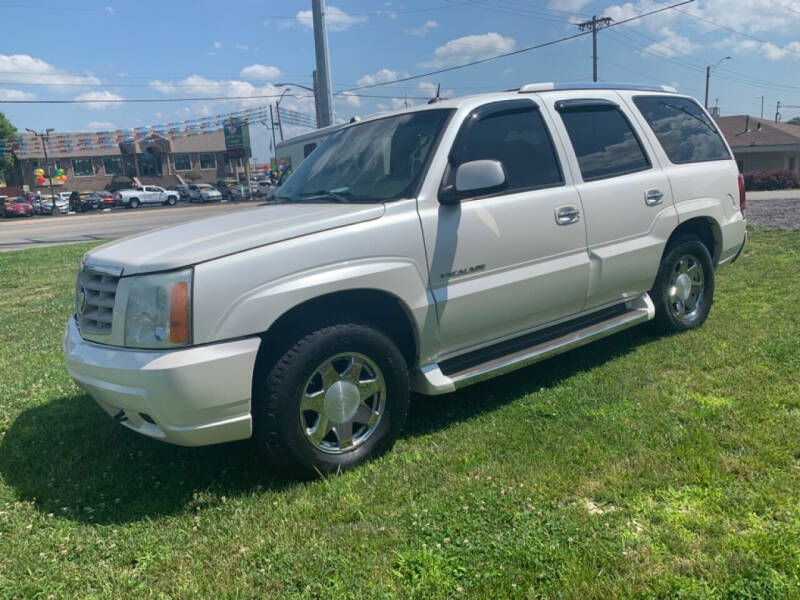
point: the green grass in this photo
(638, 467)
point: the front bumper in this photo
(190, 397)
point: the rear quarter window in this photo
(683, 129)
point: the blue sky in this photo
(176, 49)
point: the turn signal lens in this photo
(179, 313)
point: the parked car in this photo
(83, 202)
(202, 192)
(264, 185)
(19, 207)
(237, 192)
(182, 189)
(106, 197)
(439, 246)
(148, 194)
(61, 202)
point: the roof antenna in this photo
(436, 98)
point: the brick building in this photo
(155, 160)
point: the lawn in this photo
(642, 466)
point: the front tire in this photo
(171, 201)
(684, 288)
(335, 399)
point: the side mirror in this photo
(475, 178)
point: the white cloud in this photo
(568, 5)
(470, 47)
(258, 71)
(23, 68)
(348, 100)
(749, 16)
(424, 29)
(428, 88)
(672, 45)
(395, 104)
(217, 45)
(622, 12)
(382, 76)
(242, 47)
(336, 18)
(95, 99)
(100, 126)
(109, 9)
(6, 94)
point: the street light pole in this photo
(708, 76)
(278, 110)
(312, 90)
(44, 136)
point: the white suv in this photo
(423, 250)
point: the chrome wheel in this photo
(342, 403)
(686, 287)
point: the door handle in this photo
(565, 215)
(653, 197)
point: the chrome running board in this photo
(453, 374)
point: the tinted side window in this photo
(308, 149)
(683, 129)
(604, 141)
(519, 139)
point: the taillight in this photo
(742, 196)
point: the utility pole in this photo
(323, 89)
(315, 87)
(762, 107)
(44, 137)
(593, 24)
(778, 111)
(272, 123)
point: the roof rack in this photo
(594, 85)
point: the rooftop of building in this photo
(744, 131)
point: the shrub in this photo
(192, 176)
(771, 179)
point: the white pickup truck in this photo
(147, 194)
(423, 250)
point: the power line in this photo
(514, 52)
(362, 87)
(199, 99)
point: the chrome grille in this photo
(94, 300)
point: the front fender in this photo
(245, 293)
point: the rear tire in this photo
(684, 288)
(134, 203)
(336, 398)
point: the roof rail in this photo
(594, 85)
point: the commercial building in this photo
(154, 160)
(761, 144)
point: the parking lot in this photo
(45, 230)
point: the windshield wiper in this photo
(338, 194)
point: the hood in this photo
(206, 239)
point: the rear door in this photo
(151, 194)
(626, 196)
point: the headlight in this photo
(159, 310)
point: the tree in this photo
(192, 176)
(7, 132)
(794, 121)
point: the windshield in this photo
(374, 161)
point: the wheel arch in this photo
(379, 308)
(705, 228)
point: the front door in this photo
(503, 263)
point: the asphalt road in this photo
(18, 233)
